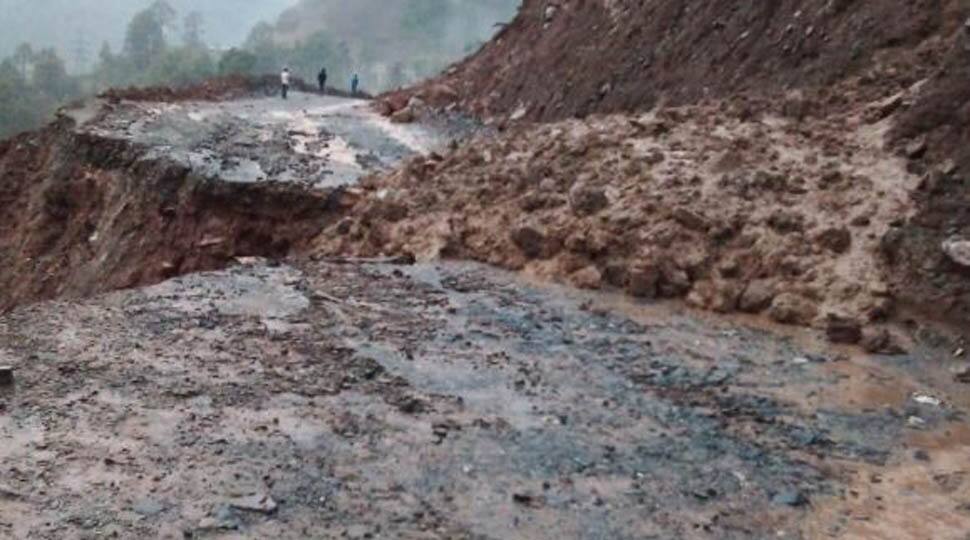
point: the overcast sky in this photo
(64, 24)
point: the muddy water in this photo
(312, 140)
(455, 401)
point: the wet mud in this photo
(454, 401)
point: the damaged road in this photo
(324, 400)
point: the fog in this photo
(77, 28)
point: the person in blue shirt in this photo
(354, 84)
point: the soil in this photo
(454, 401)
(570, 58)
(732, 212)
(797, 168)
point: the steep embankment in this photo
(564, 58)
(85, 214)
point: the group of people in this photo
(321, 79)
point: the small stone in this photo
(790, 497)
(588, 278)
(642, 281)
(842, 330)
(254, 503)
(835, 239)
(6, 376)
(880, 341)
(757, 296)
(916, 149)
(958, 250)
(789, 308)
(587, 200)
(921, 455)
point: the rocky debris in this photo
(958, 250)
(835, 239)
(261, 503)
(841, 329)
(532, 241)
(585, 199)
(757, 296)
(791, 308)
(916, 149)
(6, 376)
(880, 341)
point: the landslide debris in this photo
(565, 58)
(84, 214)
(731, 211)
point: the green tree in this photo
(193, 34)
(22, 58)
(237, 62)
(145, 39)
(182, 65)
(50, 76)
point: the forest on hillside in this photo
(386, 44)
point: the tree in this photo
(22, 58)
(192, 30)
(181, 66)
(50, 75)
(237, 62)
(426, 20)
(145, 37)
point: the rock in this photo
(786, 222)
(958, 250)
(690, 219)
(587, 278)
(403, 116)
(6, 376)
(948, 168)
(586, 200)
(261, 503)
(533, 242)
(962, 376)
(757, 296)
(916, 148)
(790, 497)
(842, 330)
(790, 308)
(643, 279)
(148, 507)
(880, 341)
(674, 282)
(835, 239)
(716, 295)
(550, 13)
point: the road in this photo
(322, 400)
(311, 140)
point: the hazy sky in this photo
(63, 24)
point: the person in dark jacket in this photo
(322, 79)
(354, 84)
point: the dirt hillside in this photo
(564, 58)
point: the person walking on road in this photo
(322, 79)
(354, 84)
(285, 81)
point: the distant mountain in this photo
(64, 24)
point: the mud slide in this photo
(126, 193)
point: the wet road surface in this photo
(453, 401)
(311, 140)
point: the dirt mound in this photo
(935, 133)
(85, 214)
(570, 57)
(734, 213)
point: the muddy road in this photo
(310, 140)
(321, 400)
